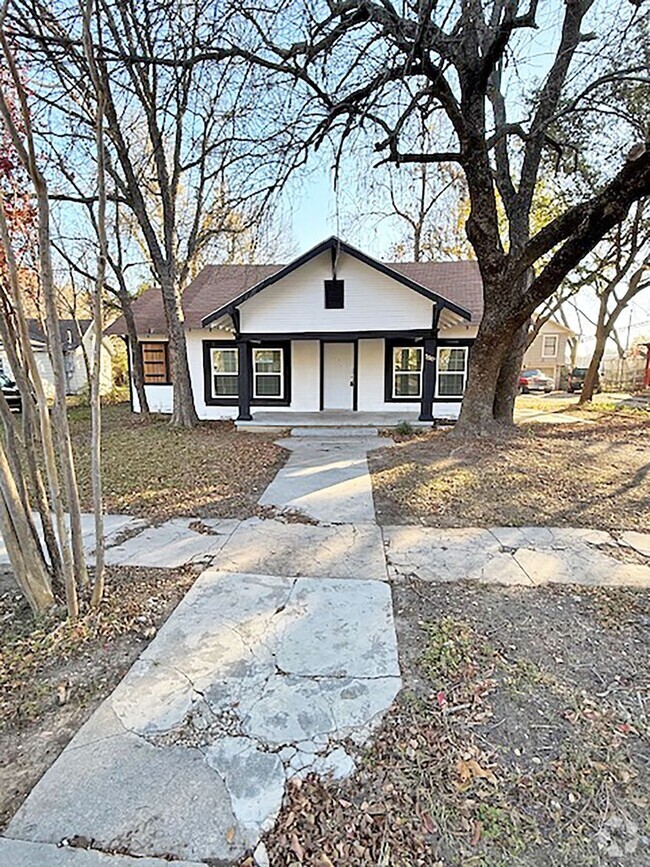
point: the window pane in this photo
(408, 358)
(225, 385)
(452, 359)
(451, 384)
(225, 360)
(407, 385)
(268, 386)
(268, 360)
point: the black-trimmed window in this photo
(407, 372)
(451, 371)
(225, 371)
(268, 372)
(334, 294)
(155, 362)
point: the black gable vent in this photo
(334, 294)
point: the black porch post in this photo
(429, 370)
(245, 380)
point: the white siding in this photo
(373, 302)
(305, 382)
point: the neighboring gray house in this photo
(334, 333)
(78, 337)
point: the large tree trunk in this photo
(184, 412)
(508, 381)
(486, 360)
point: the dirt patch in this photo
(520, 739)
(54, 673)
(595, 475)
(158, 472)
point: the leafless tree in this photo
(98, 319)
(186, 146)
(54, 430)
(386, 65)
(619, 272)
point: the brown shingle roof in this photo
(217, 285)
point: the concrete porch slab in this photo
(332, 418)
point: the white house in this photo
(334, 334)
(78, 339)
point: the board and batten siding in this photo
(372, 302)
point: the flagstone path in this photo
(281, 655)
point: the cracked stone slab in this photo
(441, 555)
(573, 566)
(524, 556)
(114, 526)
(267, 547)
(252, 679)
(549, 537)
(170, 545)
(327, 480)
(20, 853)
(123, 792)
(338, 628)
(640, 542)
(255, 781)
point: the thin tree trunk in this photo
(47, 439)
(184, 412)
(137, 368)
(95, 380)
(26, 555)
(23, 142)
(591, 377)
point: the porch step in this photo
(333, 431)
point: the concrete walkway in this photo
(253, 680)
(281, 656)
(326, 479)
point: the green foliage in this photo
(404, 428)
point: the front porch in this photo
(332, 418)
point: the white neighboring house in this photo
(77, 336)
(335, 334)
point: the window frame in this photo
(334, 287)
(208, 397)
(556, 338)
(233, 375)
(395, 373)
(268, 397)
(147, 343)
(451, 397)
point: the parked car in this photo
(535, 380)
(11, 393)
(577, 380)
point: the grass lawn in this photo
(154, 471)
(520, 739)
(594, 474)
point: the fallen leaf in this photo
(297, 849)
